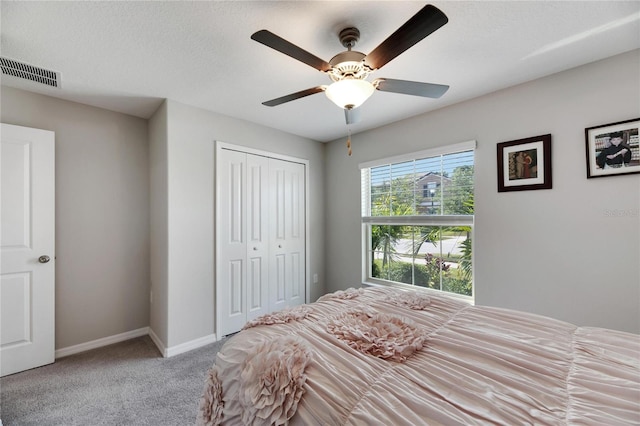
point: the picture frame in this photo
(613, 149)
(524, 164)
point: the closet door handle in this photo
(255, 249)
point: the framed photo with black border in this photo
(524, 164)
(613, 149)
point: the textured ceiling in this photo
(128, 56)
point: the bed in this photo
(384, 356)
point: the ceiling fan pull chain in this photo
(349, 142)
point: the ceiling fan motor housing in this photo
(348, 64)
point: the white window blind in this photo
(397, 188)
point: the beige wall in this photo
(553, 252)
(159, 223)
(102, 214)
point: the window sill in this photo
(386, 284)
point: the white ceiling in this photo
(129, 56)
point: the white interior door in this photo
(287, 269)
(27, 275)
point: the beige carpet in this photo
(128, 383)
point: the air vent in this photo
(29, 72)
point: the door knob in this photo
(44, 259)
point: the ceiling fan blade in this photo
(294, 96)
(423, 23)
(427, 90)
(352, 115)
(281, 45)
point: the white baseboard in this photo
(94, 344)
(165, 351)
(183, 347)
(158, 342)
(189, 346)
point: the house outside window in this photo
(417, 220)
(431, 183)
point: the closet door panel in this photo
(255, 290)
(296, 234)
(279, 193)
(287, 280)
(297, 268)
(279, 282)
(236, 295)
(232, 248)
(278, 279)
(295, 195)
(257, 236)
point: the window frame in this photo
(416, 220)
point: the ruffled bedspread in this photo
(386, 357)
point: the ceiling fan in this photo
(349, 69)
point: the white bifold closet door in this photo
(286, 234)
(260, 237)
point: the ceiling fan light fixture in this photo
(349, 93)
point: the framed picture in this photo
(524, 164)
(613, 149)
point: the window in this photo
(417, 219)
(429, 190)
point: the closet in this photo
(260, 235)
